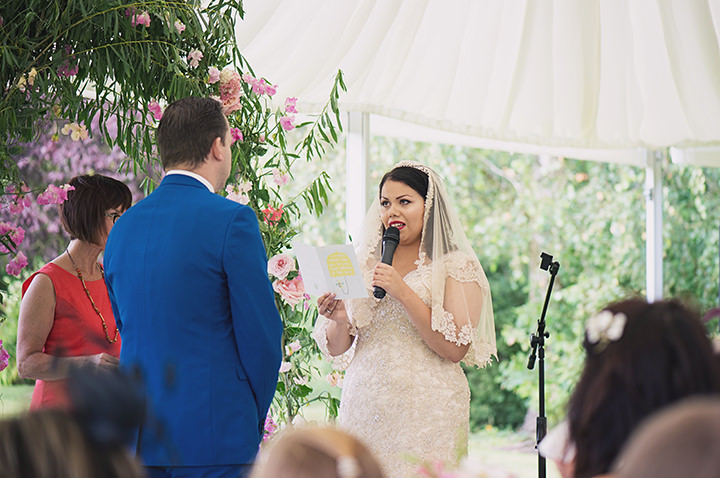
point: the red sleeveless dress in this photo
(77, 329)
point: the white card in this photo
(330, 269)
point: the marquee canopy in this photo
(607, 77)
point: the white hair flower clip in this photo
(605, 327)
(348, 467)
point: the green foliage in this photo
(120, 67)
(74, 61)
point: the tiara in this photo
(605, 327)
(415, 165)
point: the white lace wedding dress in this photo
(399, 397)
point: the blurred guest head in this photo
(682, 440)
(316, 453)
(640, 357)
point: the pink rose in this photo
(213, 75)
(290, 290)
(156, 110)
(287, 122)
(16, 264)
(280, 265)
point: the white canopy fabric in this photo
(609, 76)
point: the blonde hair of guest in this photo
(316, 452)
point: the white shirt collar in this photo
(192, 175)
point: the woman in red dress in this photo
(65, 317)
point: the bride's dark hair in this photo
(413, 177)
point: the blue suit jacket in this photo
(187, 275)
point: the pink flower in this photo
(280, 178)
(19, 199)
(270, 427)
(280, 265)
(292, 347)
(238, 192)
(194, 58)
(155, 109)
(287, 122)
(4, 357)
(231, 104)
(285, 367)
(230, 90)
(236, 134)
(54, 194)
(261, 138)
(290, 290)
(142, 19)
(290, 104)
(272, 215)
(179, 26)
(16, 264)
(301, 380)
(16, 234)
(213, 75)
(270, 90)
(66, 70)
(335, 378)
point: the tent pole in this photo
(653, 224)
(357, 169)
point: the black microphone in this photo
(391, 239)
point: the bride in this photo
(405, 394)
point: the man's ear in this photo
(216, 148)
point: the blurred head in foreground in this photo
(682, 440)
(316, 453)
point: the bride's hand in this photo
(387, 277)
(332, 308)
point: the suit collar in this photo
(190, 174)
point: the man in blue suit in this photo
(187, 275)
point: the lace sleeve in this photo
(339, 362)
(464, 315)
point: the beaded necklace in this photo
(95, 307)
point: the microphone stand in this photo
(537, 344)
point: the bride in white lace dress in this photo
(405, 394)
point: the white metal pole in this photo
(357, 170)
(653, 224)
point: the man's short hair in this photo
(187, 130)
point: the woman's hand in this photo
(337, 333)
(104, 361)
(332, 308)
(387, 277)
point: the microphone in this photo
(391, 239)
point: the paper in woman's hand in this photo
(330, 269)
